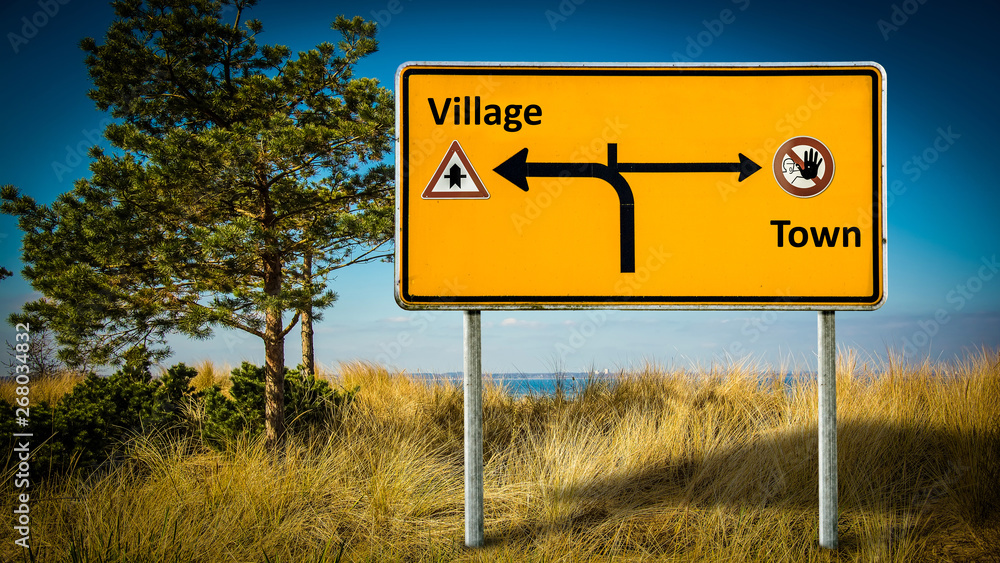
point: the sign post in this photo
(827, 430)
(473, 414)
(641, 186)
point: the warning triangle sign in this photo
(455, 178)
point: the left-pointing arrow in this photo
(516, 169)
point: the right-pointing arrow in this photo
(745, 167)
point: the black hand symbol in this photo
(812, 162)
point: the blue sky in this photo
(944, 237)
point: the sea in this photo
(548, 384)
(522, 384)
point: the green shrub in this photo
(309, 403)
(86, 425)
(99, 413)
(170, 392)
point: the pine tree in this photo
(232, 163)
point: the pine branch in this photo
(291, 325)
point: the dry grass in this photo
(43, 390)
(209, 374)
(659, 466)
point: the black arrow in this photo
(745, 167)
(455, 176)
(517, 170)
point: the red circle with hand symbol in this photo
(803, 166)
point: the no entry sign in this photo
(640, 186)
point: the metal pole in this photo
(473, 431)
(827, 430)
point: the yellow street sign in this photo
(640, 186)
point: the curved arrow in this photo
(517, 170)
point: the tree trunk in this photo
(274, 354)
(308, 352)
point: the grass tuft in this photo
(43, 389)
